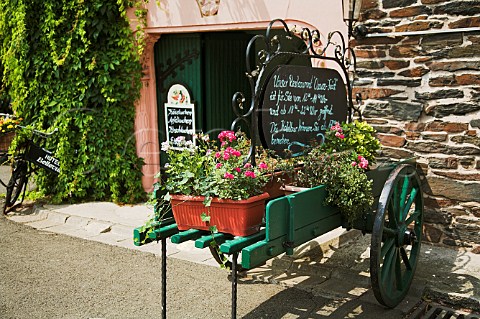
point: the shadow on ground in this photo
(340, 277)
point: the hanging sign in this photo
(43, 158)
(299, 104)
(179, 116)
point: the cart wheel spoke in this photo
(398, 271)
(414, 217)
(405, 259)
(389, 233)
(392, 216)
(403, 197)
(387, 246)
(408, 205)
(396, 205)
(388, 265)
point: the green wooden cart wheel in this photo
(396, 236)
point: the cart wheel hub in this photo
(405, 236)
(410, 237)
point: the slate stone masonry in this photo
(422, 94)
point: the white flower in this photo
(165, 146)
(179, 141)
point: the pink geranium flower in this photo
(262, 165)
(227, 135)
(339, 135)
(237, 169)
(250, 174)
(228, 175)
(219, 165)
(336, 127)
(363, 162)
(247, 165)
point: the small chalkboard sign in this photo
(299, 104)
(179, 116)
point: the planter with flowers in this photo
(211, 188)
(340, 164)
(7, 131)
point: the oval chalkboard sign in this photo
(299, 104)
(179, 116)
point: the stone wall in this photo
(422, 94)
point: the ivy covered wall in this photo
(73, 65)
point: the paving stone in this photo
(96, 226)
(53, 219)
(30, 218)
(70, 231)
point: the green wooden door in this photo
(224, 74)
(178, 60)
(211, 66)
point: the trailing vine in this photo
(75, 65)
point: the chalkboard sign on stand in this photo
(299, 104)
(179, 116)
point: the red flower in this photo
(250, 174)
(262, 165)
(228, 175)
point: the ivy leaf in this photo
(204, 217)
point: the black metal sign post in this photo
(293, 104)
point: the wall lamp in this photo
(351, 13)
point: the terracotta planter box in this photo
(277, 181)
(236, 217)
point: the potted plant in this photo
(211, 187)
(8, 125)
(340, 164)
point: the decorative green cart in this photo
(395, 220)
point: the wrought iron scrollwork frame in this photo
(343, 56)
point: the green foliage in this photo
(74, 65)
(347, 185)
(188, 166)
(340, 165)
(161, 210)
(357, 136)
